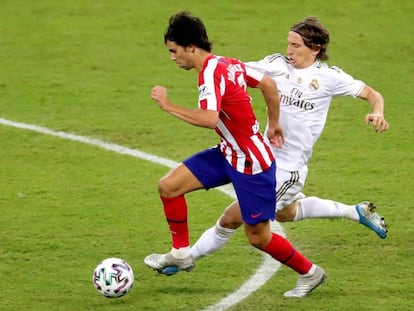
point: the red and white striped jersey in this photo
(222, 85)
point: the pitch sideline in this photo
(266, 270)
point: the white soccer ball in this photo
(113, 277)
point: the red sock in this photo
(281, 250)
(175, 210)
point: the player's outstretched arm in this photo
(376, 117)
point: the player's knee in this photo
(259, 235)
(258, 241)
(231, 217)
(287, 213)
(282, 217)
(166, 187)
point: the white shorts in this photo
(289, 186)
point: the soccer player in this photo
(243, 156)
(306, 87)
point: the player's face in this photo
(180, 54)
(299, 54)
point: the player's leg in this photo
(292, 205)
(217, 236)
(214, 238)
(257, 198)
(172, 188)
(202, 170)
(314, 207)
(310, 275)
(289, 186)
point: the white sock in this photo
(181, 252)
(311, 270)
(313, 207)
(210, 241)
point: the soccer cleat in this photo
(165, 263)
(369, 218)
(169, 271)
(307, 283)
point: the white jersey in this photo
(305, 97)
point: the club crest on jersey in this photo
(314, 85)
(203, 92)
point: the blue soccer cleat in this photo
(169, 271)
(369, 218)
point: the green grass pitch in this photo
(87, 67)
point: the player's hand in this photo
(378, 122)
(160, 95)
(275, 135)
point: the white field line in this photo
(266, 270)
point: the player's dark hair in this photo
(314, 34)
(185, 29)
